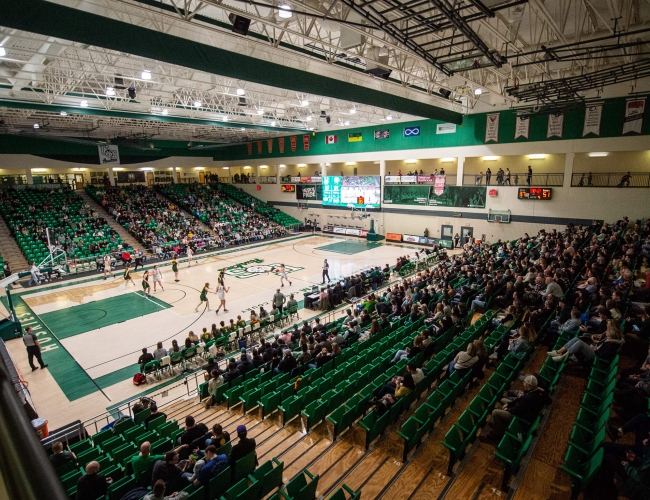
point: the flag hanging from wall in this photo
(522, 126)
(305, 142)
(109, 154)
(593, 116)
(249, 146)
(259, 147)
(269, 145)
(633, 121)
(355, 137)
(555, 125)
(492, 128)
(292, 139)
(281, 144)
(331, 139)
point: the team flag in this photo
(331, 139)
(356, 137)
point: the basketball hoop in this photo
(498, 221)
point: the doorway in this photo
(178, 177)
(202, 177)
(465, 232)
(149, 178)
(79, 181)
(446, 232)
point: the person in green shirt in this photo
(143, 463)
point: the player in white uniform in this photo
(283, 275)
(107, 266)
(221, 293)
(157, 278)
(189, 256)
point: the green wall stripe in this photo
(36, 16)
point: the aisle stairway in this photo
(119, 229)
(10, 251)
(203, 225)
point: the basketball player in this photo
(107, 266)
(221, 293)
(127, 276)
(283, 275)
(145, 284)
(326, 272)
(204, 297)
(157, 278)
(222, 275)
(175, 269)
(189, 256)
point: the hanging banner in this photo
(522, 127)
(269, 145)
(281, 144)
(492, 128)
(555, 125)
(109, 154)
(382, 134)
(249, 146)
(439, 185)
(292, 139)
(355, 137)
(593, 115)
(331, 139)
(305, 142)
(634, 109)
(259, 147)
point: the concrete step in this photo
(10, 250)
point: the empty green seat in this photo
(219, 484)
(302, 487)
(290, 409)
(374, 425)
(244, 466)
(269, 403)
(511, 451)
(269, 476)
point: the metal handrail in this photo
(517, 179)
(610, 179)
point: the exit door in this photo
(178, 177)
(447, 232)
(150, 178)
(465, 232)
(79, 181)
(202, 177)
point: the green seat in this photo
(587, 442)
(118, 489)
(581, 472)
(150, 436)
(141, 416)
(244, 466)
(269, 403)
(411, 432)
(132, 434)
(340, 494)
(219, 484)
(221, 393)
(427, 415)
(269, 476)
(246, 489)
(165, 430)
(301, 489)
(156, 422)
(115, 472)
(511, 451)
(88, 456)
(161, 446)
(66, 468)
(197, 494)
(122, 426)
(70, 480)
(456, 442)
(290, 409)
(225, 449)
(374, 425)
(250, 398)
(124, 452)
(313, 413)
(81, 446)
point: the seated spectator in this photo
(159, 353)
(415, 372)
(517, 343)
(321, 358)
(143, 464)
(242, 448)
(232, 372)
(60, 456)
(605, 348)
(192, 431)
(287, 363)
(464, 360)
(213, 465)
(92, 485)
(153, 408)
(219, 437)
(158, 493)
(410, 352)
(144, 358)
(396, 386)
(168, 469)
(216, 380)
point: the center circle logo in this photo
(258, 269)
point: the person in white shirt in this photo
(107, 266)
(157, 278)
(159, 353)
(552, 288)
(189, 256)
(34, 272)
(415, 372)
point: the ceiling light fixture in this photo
(241, 92)
(197, 104)
(110, 91)
(346, 123)
(272, 124)
(304, 103)
(284, 11)
(3, 52)
(301, 165)
(490, 158)
(536, 157)
(282, 165)
(226, 118)
(389, 117)
(353, 111)
(478, 91)
(410, 161)
(242, 129)
(597, 155)
(63, 113)
(83, 104)
(36, 125)
(164, 111)
(38, 170)
(350, 162)
(260, 111)
(447, 160)
(308, 118)
(146, 75)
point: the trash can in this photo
(40, 426)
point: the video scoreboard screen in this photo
(360, 191)
(534, 193)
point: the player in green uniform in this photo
(204, 297)
(127, 276)
(175, 269)
(145, 284)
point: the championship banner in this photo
(269, 145)
(439, 185)
(259, 147)
(305, 142)
(634, 109)
(522, 127)
(249, 146)
(492, 128)
(281, 144)
(593, 116)
(109, 154)
(555, 125)
(293, 142)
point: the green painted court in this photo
(350, 247)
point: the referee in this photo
(326, 272)
(33, 348)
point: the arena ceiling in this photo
(174, 69)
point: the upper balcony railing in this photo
(519, 179)
(611, 179)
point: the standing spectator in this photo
(488, 176)
(33, 348)
(529, 175)
(33, 270)
(278, 300)
(625, 180)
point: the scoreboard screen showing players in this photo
(534, 193)
(360, 191)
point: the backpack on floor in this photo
(139, 379)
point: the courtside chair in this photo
(200, 351)
(165, 365)
(176, 359)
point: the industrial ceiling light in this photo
(536, 157)
(272, 124)
(304, 103)
(596, 155)
(164, 111)
(447, 160)
(83, 104)
(346, 123)
(260, 111)
(241, 92)
(146, 75)
(226, 118)
(197, 104)
(284, 11)
(3, 52)
(110, 91)
(36, 125)
(478, 91)
(308, 118)
(410, 161)
(389, 117)
(490, 158)
(353, 111)
(63, 113)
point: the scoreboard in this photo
(534, 193)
